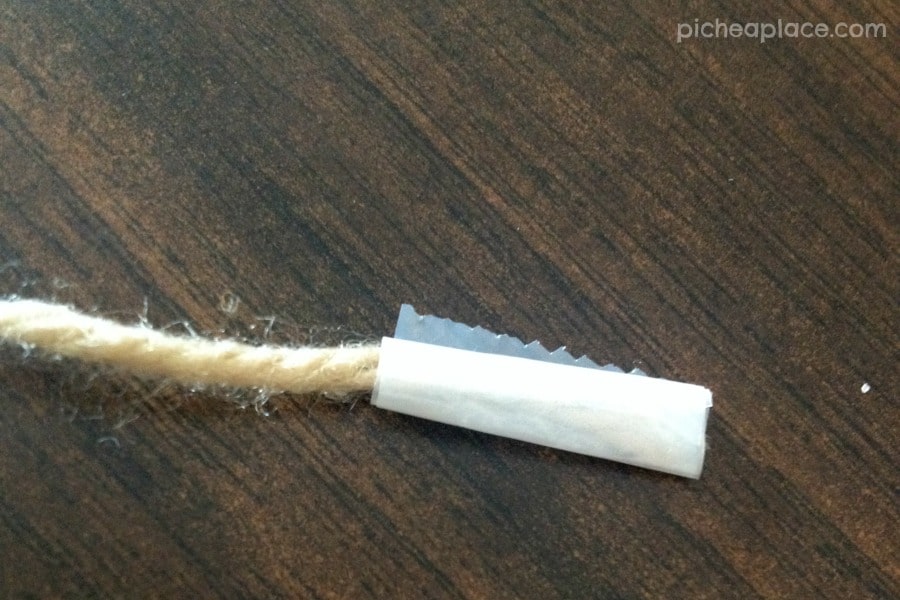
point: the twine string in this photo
(192, 361)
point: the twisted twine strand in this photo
(142, 351)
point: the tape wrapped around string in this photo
(431, 368)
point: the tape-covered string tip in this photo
(450, 372)
(642, 421)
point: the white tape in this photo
(643, 421)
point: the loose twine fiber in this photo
(139, 350)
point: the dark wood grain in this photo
(717, 211)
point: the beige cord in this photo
(139, 350)
(644, 421)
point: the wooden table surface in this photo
(718, 211)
